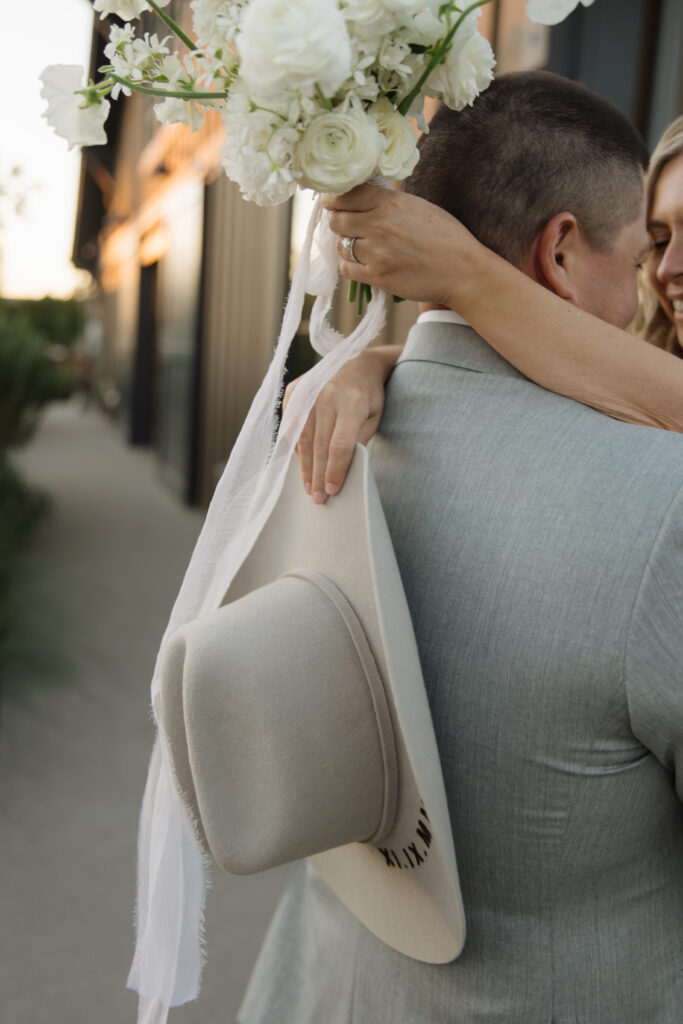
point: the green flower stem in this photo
(327, 103)
(359, 295)
(439, 53)
(150, 91)
(172, 25)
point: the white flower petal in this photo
(66, 111)
(552, 12)
(400, 141)
(124, 9)
(466, 72)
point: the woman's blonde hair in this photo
(652, 323)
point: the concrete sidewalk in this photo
(75, 738)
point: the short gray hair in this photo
(532, 145)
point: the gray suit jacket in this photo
(541, 547)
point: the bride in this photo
(416, 250)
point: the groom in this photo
(541, 548)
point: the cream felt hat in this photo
(298, 724)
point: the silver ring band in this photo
(348, 244)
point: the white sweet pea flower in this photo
(400, 141)
(339, 151)
(124, 9)
(552, 12)
(467, 70)
(74, 110)
(295, 45)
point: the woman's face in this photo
(665, 225)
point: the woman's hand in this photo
(347, 410)
(404, 244)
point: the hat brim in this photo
(406, 889)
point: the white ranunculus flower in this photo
(295, 45)
(467, 70)
(77, 118)
(339, 151)
(400, 141)
(552, 12)
(124, 9)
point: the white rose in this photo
(77, 118)
(400, 141)
(552, 12)
(295, 45)
(467, 70)
(339, 151)
(124, 9)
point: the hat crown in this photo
(311, 767)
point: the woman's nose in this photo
(671, 263)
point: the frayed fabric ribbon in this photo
(172, 869)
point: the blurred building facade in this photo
(192, 280)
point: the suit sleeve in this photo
(654, 652)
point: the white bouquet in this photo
(318, 93)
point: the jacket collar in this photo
(455, 345)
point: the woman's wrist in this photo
(473, 263)
(384, 358)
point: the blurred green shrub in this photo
(29, 378)
(58, 321)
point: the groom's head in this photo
(550, 176)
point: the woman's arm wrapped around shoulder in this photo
(416, 250)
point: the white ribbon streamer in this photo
(172, 870)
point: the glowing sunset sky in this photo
(35, 247)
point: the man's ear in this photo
(556, 255)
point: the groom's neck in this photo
(425, 307)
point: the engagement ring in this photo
(348, 244)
